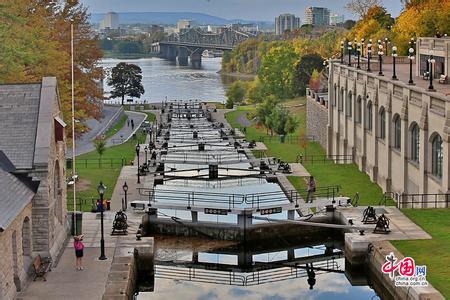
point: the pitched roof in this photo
(19, 110)
(14, 196)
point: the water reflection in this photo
(162, 79)
(270, 271)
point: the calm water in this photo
(162, 79)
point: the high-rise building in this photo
(286, 22)
(185, 24)
(317, 16)
(336, 19)
(111, 21)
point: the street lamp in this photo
(138, 149)
(369, 55)
(411, 58)
(349, 48)
(394, 55)
(380, 57)
(431, 62)
(146, 149)
(101, 191)
(342, 52)
(358, 52)
(386, 43)
(125, 190)
(363, 42)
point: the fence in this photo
(288, 139)
(82, 204)
(99, 163)
(322, 159)
(421, 201)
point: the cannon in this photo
(120, 224)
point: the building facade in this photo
(336, 19)
(440, 49)
(286, 22)
(33, 215)
(397, 133)
(111, 21)
(317, 16)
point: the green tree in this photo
(100, 146)
(128, 47)
(264, 111)
(236, 93)
(281, 121)
(304, 70)
(126, 80)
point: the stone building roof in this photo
(26, 121)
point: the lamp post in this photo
(394, 55)
(349, 49)
(125, 190)
(369, 55)
(386, 43)
(380, 57)
(431, 62)
(342, 52)
(101, 191)
(138, 149)
(358, 52)
(363, 42)
(411, 58)
(146, 149)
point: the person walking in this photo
(311, 189)
(132, 124)
(79, 247)
(128, 122)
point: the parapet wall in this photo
(316, 118)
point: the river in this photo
(162, 79)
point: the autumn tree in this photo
(236, 93)
(361, 7)
(126, 80)
(305, 69)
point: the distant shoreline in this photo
(238, 75)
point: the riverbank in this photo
(115, 55)
(243, 76)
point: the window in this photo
(397, 132)
(358, 111)
(340, 100)
(335, 96)
(348, 107)
(382, 127)
(415, 143)
(436, 156)
(369, 116)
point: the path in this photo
(243, 121)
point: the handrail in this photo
(430, 200)
(324, 158)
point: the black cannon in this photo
(120, 224)
(252, 144)
(284, 167)
(369, 216)
(382, 225)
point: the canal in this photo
(162, 78)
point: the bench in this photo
(41, 267)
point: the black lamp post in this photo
(349, 48)
(394, 56)
(411, 58)
(431, 62)
(342, 52)
(101, 191)
(380, 57)
(355, 42)
(146, 149)
(369, 55)
(125, 190)
(138, 149)
(386, 43)
(358, 52)
(363, 42)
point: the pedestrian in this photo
(311, 189)
(128, 122)
(132, 124)
(311, 275)
(79, 247)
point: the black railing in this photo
(328, 192)
(288, 139)
(322, 159)
(97, 163)
(82, 204)
(387, 196)
(420, 201)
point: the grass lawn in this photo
(347, 176)
(435, 253)
(113, 130)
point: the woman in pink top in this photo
(79, 246)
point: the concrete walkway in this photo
(126, 131)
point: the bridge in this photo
(192, 42)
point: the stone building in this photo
(33, 213)
(397, 133)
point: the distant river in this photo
(162, 79)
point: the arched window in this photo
(335, 96)
(340, 100)
(348, 108)
(26, 237)
(369, 116)
(358, 110)
(397, 143)
(57, 192)
(436, 156)
(382, 123)
(415, 143)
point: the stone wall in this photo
(316, 120)
(15, 253)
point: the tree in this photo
(100, 147)
(304, 70)
(281, 121)
(264, 111)
(126, 80)
(236, 93)
(348, 24)
(361, 7)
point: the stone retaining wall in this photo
(316, 120)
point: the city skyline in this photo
(233, 9)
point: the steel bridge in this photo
(194, 41)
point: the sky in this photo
(261, 10)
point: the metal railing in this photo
(288, 139)
(99, 163)
(322, 159)
(82, 204)
(328, 192)
(422, 201)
